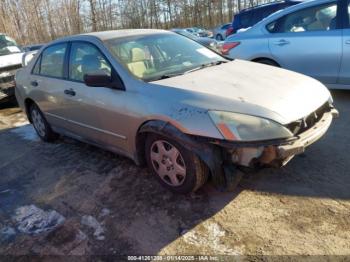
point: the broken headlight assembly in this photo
(241, 127)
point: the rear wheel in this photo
(40, 124)
(176, 168)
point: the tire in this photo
(267, 62)
(219, 37)
(40, 124)
(165, 157)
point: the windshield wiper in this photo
(165, 76)
(205, 65)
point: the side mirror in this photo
(97, 80)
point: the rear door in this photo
(309, 41)
(344, 74)
(47, 83)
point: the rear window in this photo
(245, 19)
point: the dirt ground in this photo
(301, 209)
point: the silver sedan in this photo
(165, 100)
(312, 38)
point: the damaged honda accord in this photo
(164, 100)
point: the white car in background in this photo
(10, 61)
(312, 38)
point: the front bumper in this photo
(278, 153)
(308, 137)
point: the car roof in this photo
(106, 35)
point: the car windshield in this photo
(159, 56)
(8, 46)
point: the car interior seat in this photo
(137, 65)
(322, 22)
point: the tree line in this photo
(40, 21)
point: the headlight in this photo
(240, 127)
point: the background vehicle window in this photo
(245, 20)
(85, 59)
(52, 61)
(319, 18)
(225, 26)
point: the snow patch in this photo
(26, 132)
(33, 220)
(212, 238)
(91, 222)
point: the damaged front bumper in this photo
(276, 153)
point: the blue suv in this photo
(250, 16)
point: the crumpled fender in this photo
(210, 154)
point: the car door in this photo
(309, 41)
(94, 113)
(47, 83)
(344, 74)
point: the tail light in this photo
(229, 31)
(226, 47)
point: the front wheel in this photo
(175, 167)
(40, 124)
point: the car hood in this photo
(10, 60)
(254, 89)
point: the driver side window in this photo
(85, 59)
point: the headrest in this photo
(137, 55)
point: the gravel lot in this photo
(302, 209)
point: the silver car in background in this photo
(165, 100)
(220, 32)
(312, 38)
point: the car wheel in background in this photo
(219, 37)
(40, 124)
(175, 167)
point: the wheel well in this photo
(140, 147)
(265, 58)
(27, 103)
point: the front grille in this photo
(10, 68)
(302, 125)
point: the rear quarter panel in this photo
(251, 46)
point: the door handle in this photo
(69, 92)
(34, 83)
(347, 42)
(282, 42)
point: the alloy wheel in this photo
(168, 163)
